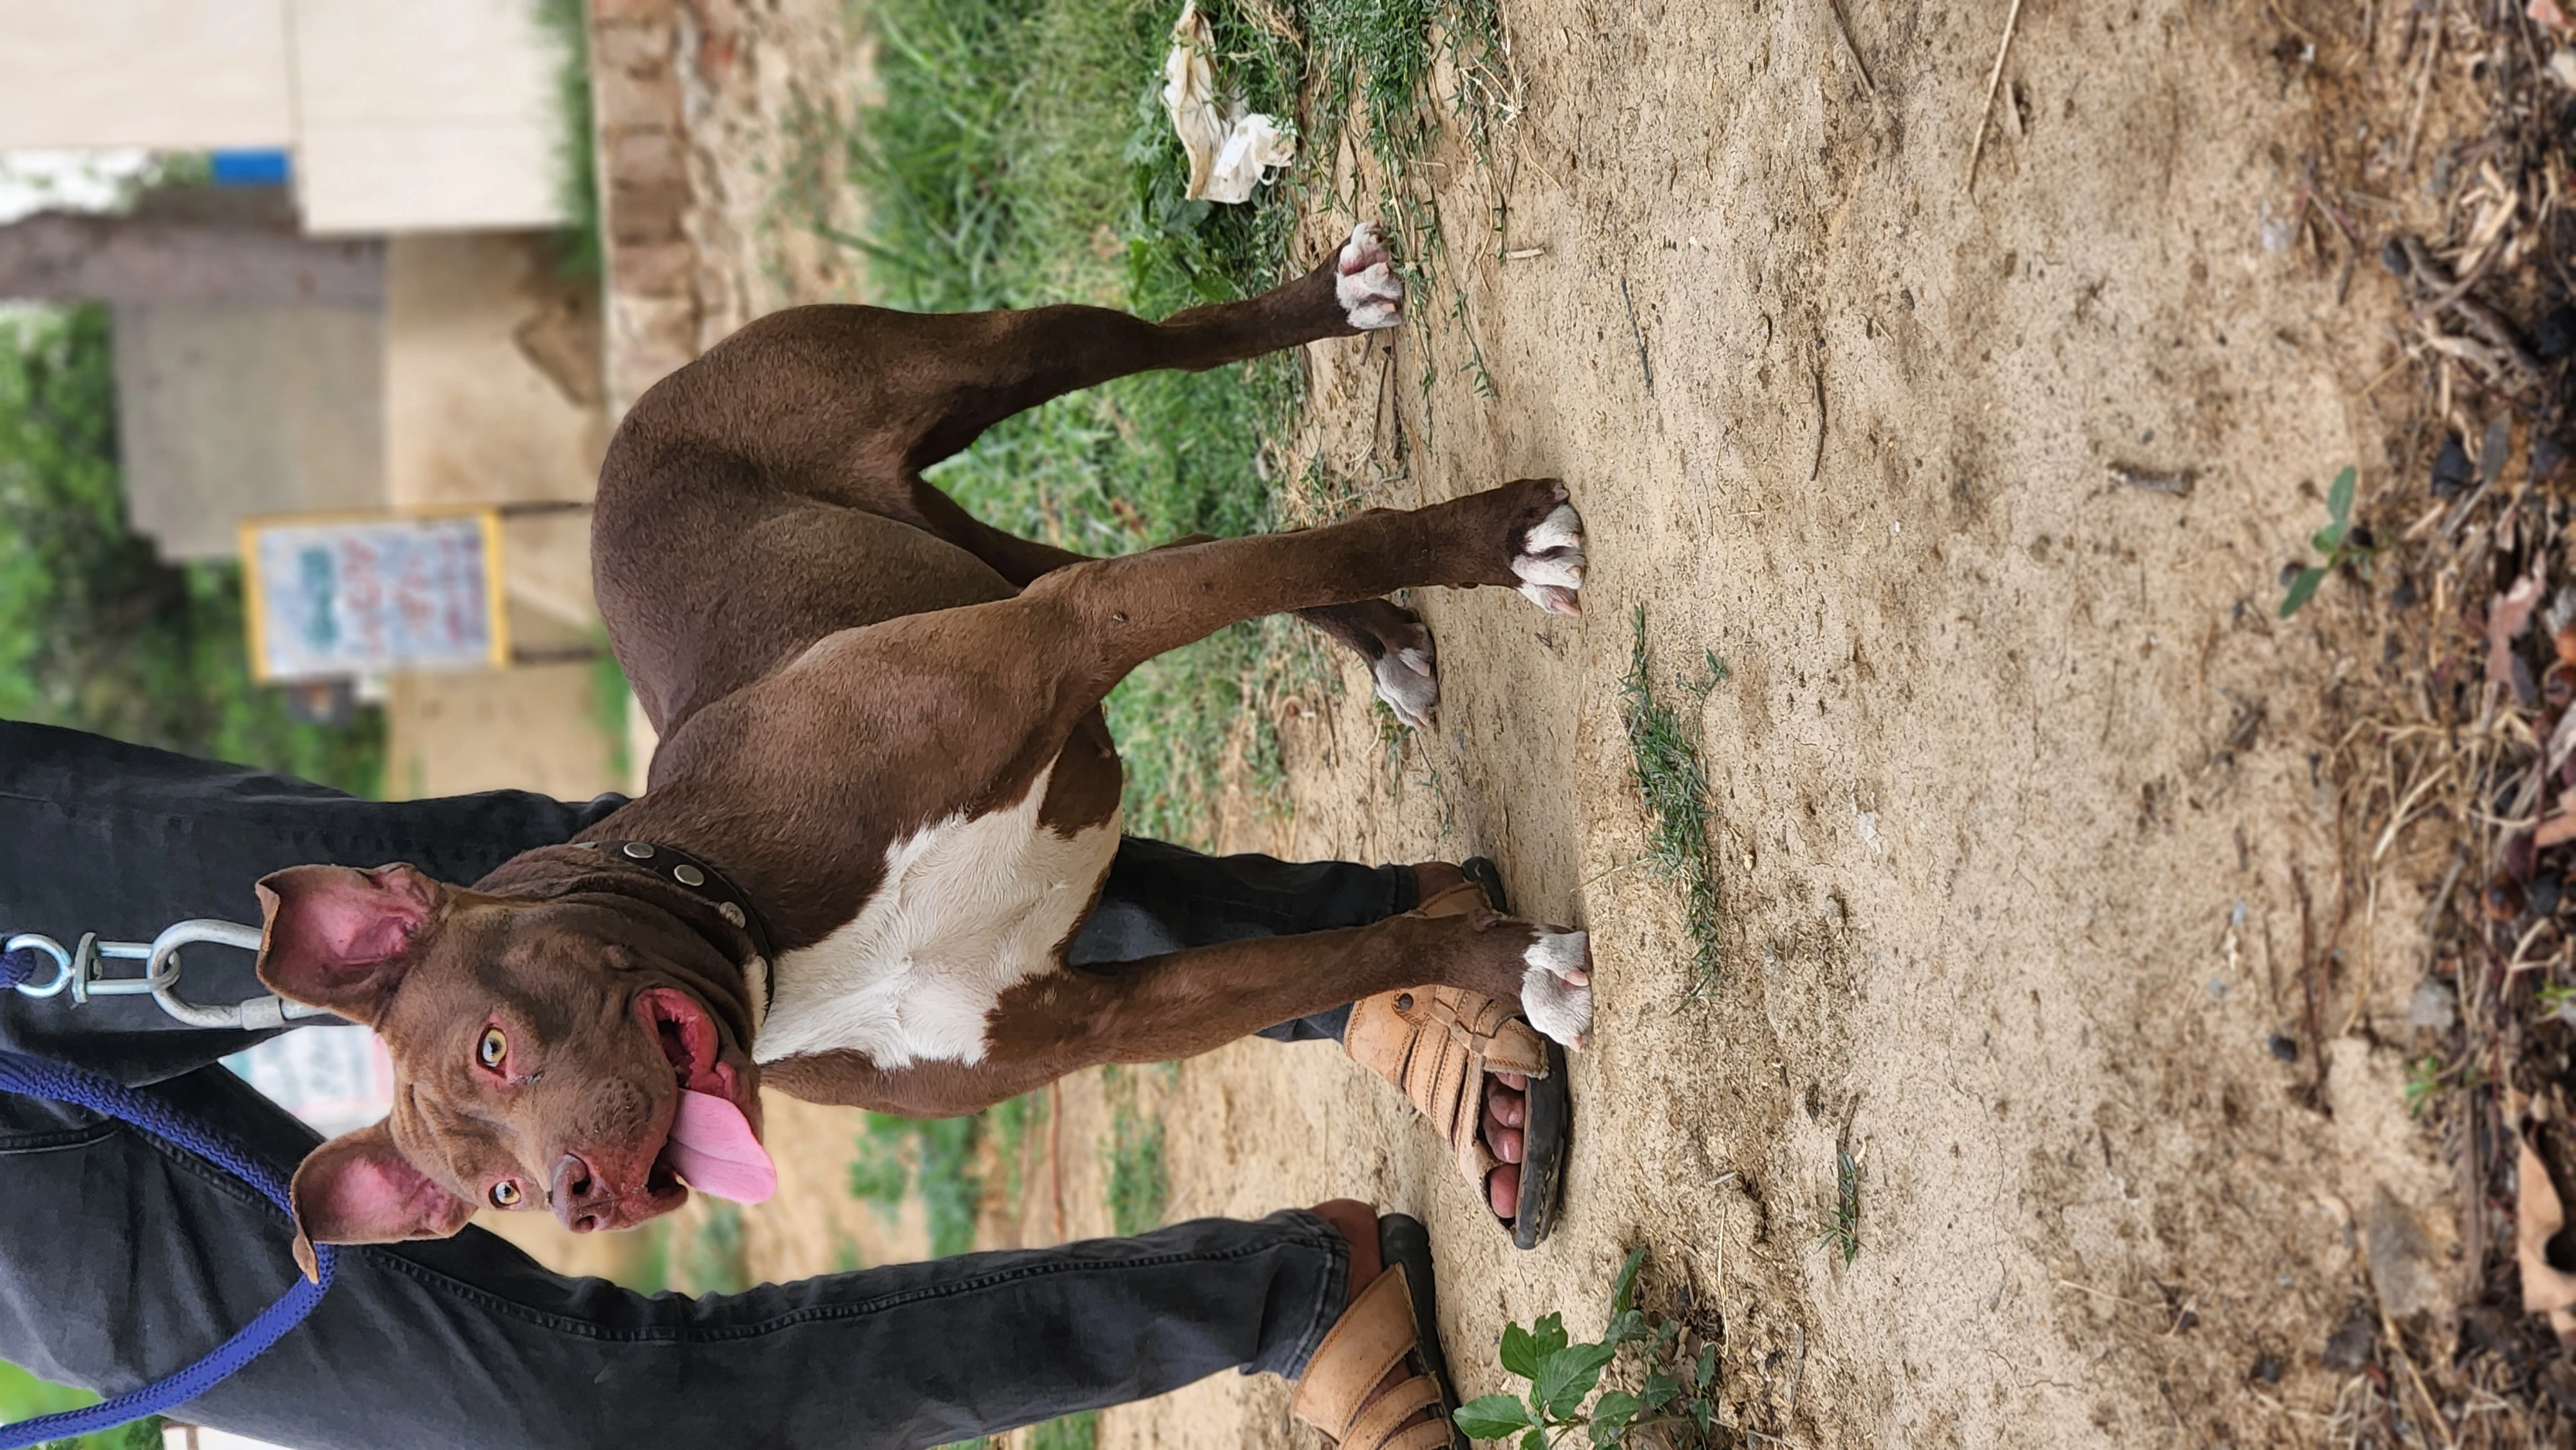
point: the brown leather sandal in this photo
(1392, 1323)
(1437, 1044)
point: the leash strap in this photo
(63, 1083)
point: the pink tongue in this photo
(713, 1149)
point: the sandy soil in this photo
(2027, 839)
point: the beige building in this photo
(401, 115)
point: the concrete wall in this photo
(228, 410)
(492, 395)
(415, 116)
(404, 115)
(167, 74)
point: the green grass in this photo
(1021, 156)
(1841, 1233)
(1139, 1186)
(1664, 762)
(580, 252)
(711, 1260)
(22, 1395)
(935, 1159)
(610, 698)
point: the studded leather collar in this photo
(705, 881)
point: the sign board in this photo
(335, 1078)
(355, 594)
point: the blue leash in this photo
(62, 1083)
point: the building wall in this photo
(492, 395)
(420, 117)
(166, 74)
(403, 115)
(226, 410)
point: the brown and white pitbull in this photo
(884, 799)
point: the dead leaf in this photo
(2547, 13)
(2506, 621)
(2560, 827)
(2538, 1216)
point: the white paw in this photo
(1372, 296)
(1550, 562)
(1556, 991)
(1409, 684)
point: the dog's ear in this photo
(340, 939)
(359, 1189)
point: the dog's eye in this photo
(492, 1048)
(505, 1194)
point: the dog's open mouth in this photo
(711, 1145)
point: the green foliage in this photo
(23, 1396)
(1073, 1432)
(610, 698)
(711, 1260)
(2334, 542)
(95, 630)
(934, 1157)
(1664, 762)
(1662, 1387)
(580, 251)
(1139, 1186)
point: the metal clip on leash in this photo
(80, 971)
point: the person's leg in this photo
(1163, 898)
(467, 1342)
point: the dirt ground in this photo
(2026, 833)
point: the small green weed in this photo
(1713, 673)
(2334, 541)
(1665, 763)
(1674, 1394)
(1842, 1226)
(2556, 999)
(2423, 1083)
(1139, 1188)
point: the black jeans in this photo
(122, 1258)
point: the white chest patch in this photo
(968, 909)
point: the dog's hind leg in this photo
(849, 404)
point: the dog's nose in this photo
(578, 1199)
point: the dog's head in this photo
(587, 1052)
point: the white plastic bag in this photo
(1231, 150)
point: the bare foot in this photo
(1506, 1100)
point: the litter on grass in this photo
(1231, 149)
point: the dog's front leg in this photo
(1180, 1004)
(1158, 1009)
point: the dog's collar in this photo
(705, 881)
